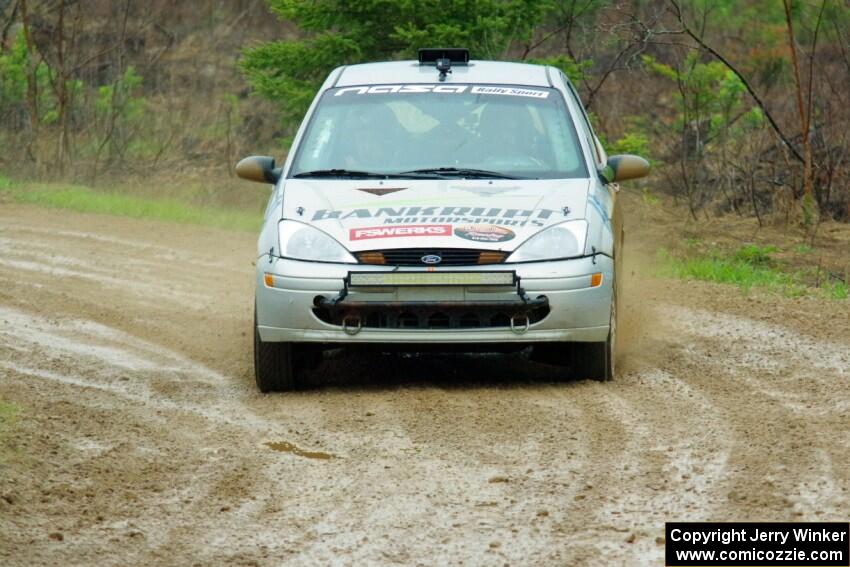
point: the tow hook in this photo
(520, 329)
(348, 328)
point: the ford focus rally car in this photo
(440, 204)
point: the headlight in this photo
(303, 242)
(565, 240)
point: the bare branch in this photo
(679, 16)
(10, 21)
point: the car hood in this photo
(444, 213)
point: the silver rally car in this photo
(440, 204)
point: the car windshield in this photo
(441, 130)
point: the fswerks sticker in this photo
(402, 231)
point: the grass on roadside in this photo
(7, 412)
(86, 200)
(747, 267)
(838, 290)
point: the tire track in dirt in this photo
(659, 471)
(778, 440)
(136, 276)
(118, 247)
(114, 362)
(520, 476)
(110, 369)
(140, 410)
(454, 488)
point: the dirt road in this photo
(141, 439)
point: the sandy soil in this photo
(141, 439)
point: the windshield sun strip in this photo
(581, 171)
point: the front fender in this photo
(268, 238)
(600, 230)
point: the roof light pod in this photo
(455, 55)
(443, 58)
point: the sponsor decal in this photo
(509, 91)
(382, 192)
(406, 216)
(449, 89)
(484, 232)
(403, 89)
(402, 231)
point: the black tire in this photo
(273, 367)
(593, 361)
(597, 361)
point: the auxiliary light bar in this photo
(367, 279)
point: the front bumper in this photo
(576, 311)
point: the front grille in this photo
(448, 256)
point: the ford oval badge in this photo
(431, 259)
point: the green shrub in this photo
(338, 32)
(755, 255)
(575, 70)
(13, 83)
(838, 290)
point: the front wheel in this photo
(273, 368)
(597, 360)
(594, 360)
(587, 360)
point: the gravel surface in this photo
(141, 438)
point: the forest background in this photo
(743, 107)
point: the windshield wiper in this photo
(354, 174)
(460, 172)
(426, 173)
(340, 173)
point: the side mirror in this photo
(624, 167)
(258, 168)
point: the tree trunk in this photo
(32, 83)
(60, 87)
(801, 107)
